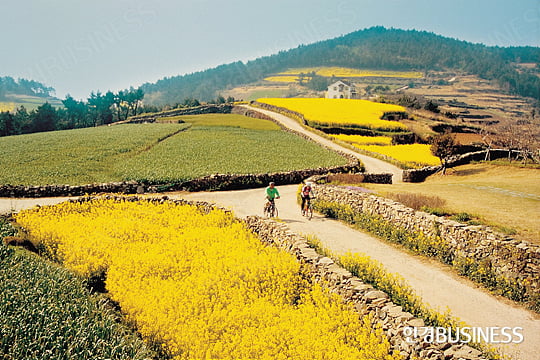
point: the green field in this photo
(47, 313)
(506, 197)
(158, 152)
(29, 102)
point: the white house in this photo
(341, 90)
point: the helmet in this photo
(272, 183)
(309, 183)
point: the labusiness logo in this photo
(490, 335)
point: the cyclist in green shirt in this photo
(272, 193)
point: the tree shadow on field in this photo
(467, 172)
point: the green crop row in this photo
(47, 313)
(75, 157)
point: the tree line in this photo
(99, 109)
(373, 48)
(9, 85)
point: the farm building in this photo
(341, 90)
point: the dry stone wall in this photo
(365, 299)
(210, 182)
(507, 258)
(419, 175)
(198, 110)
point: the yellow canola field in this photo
(284, 78)
(364, 140)
(202, 283)
(336, 112)
(329, 71)
(4, 106)
(412, 154)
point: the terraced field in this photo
(291, 75)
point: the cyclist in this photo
(306, 194)
(272, 193)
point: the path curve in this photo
(371, 164)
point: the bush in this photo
(418, 201)
(346, 178)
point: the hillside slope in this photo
(373, 48)
(23, 92)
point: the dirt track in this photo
(436, 284)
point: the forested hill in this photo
(10, 86)
(373, 48)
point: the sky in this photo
(79, 46)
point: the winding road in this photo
(372, 165)
(435, 283)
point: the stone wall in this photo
(385, 178)
(508, 258)
(198, 110)
(365, 299)
(210, 182)
(419, 175)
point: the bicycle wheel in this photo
(309, 212)
(274, 212)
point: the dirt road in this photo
(372, 165)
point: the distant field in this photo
(229, 120)
(364, 140)
(342, 112)
(502, 195)
(157, 152)
(283, 78)
(7, 106)
(29, 102)
(291, 74)
(207, 150)
(412, 155)
(77, 156)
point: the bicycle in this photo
(307, 211)
(270, 209)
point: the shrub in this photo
(418, 201)
(346, 178)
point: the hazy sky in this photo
(78, 46)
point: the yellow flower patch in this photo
(202, 283)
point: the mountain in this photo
(376, 48)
